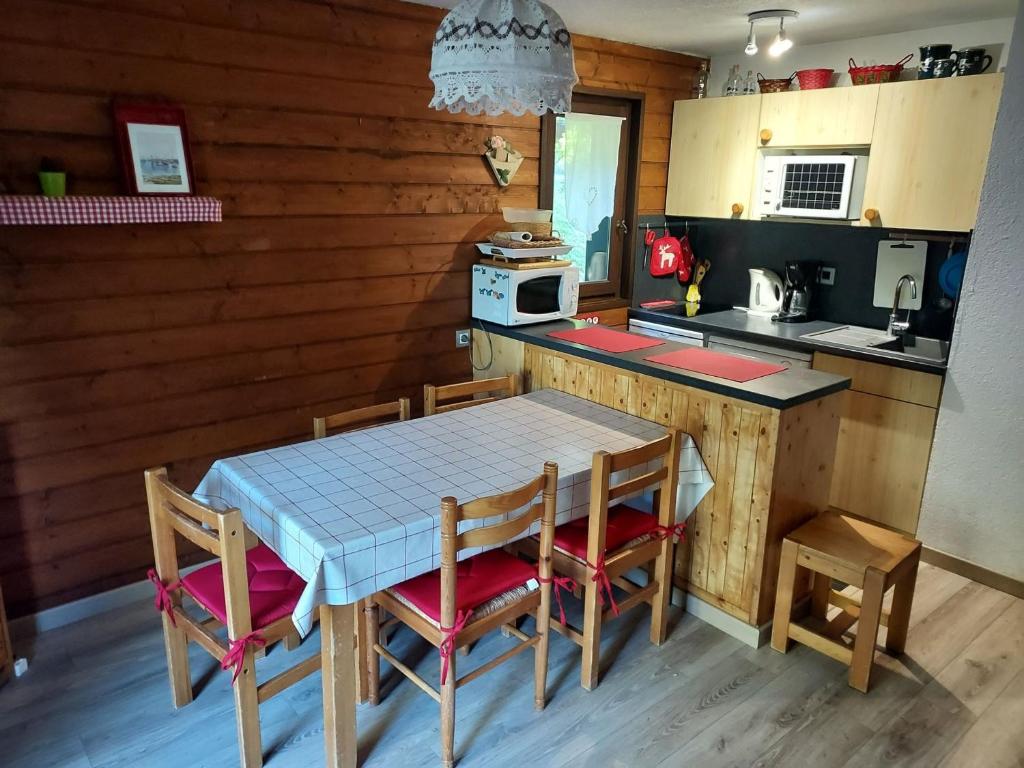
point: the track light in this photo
(782, 43)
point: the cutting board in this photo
(895, 259)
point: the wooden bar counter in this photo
(768, 443)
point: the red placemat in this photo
(717, 364)
(606, 339)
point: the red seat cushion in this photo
(274, 588)
(624, 525)
(478, 579)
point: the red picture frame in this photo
(153, 145)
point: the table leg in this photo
(337, 632)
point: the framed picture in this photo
(153, 143)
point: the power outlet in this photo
(462, 338)
(827, 275)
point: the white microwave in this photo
(812, 186)
(524, 296)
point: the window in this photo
(588, 168)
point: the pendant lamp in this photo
(495, 56)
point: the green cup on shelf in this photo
(53, 183)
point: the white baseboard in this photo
(755, 637)
(87, 607)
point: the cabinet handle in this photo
(871, 214)
(737, 209)
(766, 135)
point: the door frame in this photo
(620, 295)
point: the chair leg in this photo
(591, 635)
(371, 612)
(448, 716)
(247, 714)
(662, 572)
(899, 616)
(176, 646)
(540, 651)
(821, 589)
(784, 597)
(292, 641)
(867, 630)
(362, 641)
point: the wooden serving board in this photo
(520, 264)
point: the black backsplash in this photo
(733, 247)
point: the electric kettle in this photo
(766, 292)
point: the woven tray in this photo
(537, 242)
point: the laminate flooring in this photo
(96, 696)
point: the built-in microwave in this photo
(809, 186)
(524, 296)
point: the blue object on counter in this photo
(951, 274)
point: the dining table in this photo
(358, 512)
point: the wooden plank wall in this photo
(336, 280)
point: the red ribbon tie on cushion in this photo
(603, 583)
(676, 532)
(163, 601)
(447, 647)
(561, 582)
(235, 657)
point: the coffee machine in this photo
(796, 301)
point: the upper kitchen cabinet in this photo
(711, 167)
(826, 117)
(929, 152)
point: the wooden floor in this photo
(97, 695)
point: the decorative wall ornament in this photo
(495, 56)
(503, 159)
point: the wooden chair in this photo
(858, 553)
(598, 551)
(361, 417)
(458, 604)
(251, 593)
(506, 386)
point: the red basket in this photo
(880, 73)
(810, 79)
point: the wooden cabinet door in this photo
(826, 117)
(882, 459)
(712, 159)
(929, 152)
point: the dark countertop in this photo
(779, 390)
(738, 324)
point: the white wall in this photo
(974, 496)
(993, 34)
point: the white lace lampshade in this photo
(494, 56)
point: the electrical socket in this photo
(827, 275)
(462, 338)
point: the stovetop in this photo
(685, 309)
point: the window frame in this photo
(616, 291)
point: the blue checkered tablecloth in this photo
(360, 511)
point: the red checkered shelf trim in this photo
(29, 210)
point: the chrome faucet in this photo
(895, 326)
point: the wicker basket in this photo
(534, 228)
(777, 85)
(880, 73)
(812, 79)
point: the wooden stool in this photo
(834, 546)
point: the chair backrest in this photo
(664, 480)
(452, 541)
(219, 532)
(377, 414)
(507, 386)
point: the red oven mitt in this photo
(665, 255)
(685, 261)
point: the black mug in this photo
(929, 55)
(943, 68)
(972, 61)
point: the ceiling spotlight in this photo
(751, 48)
(781, 43)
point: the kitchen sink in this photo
(920, 347)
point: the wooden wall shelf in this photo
(36, 210)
